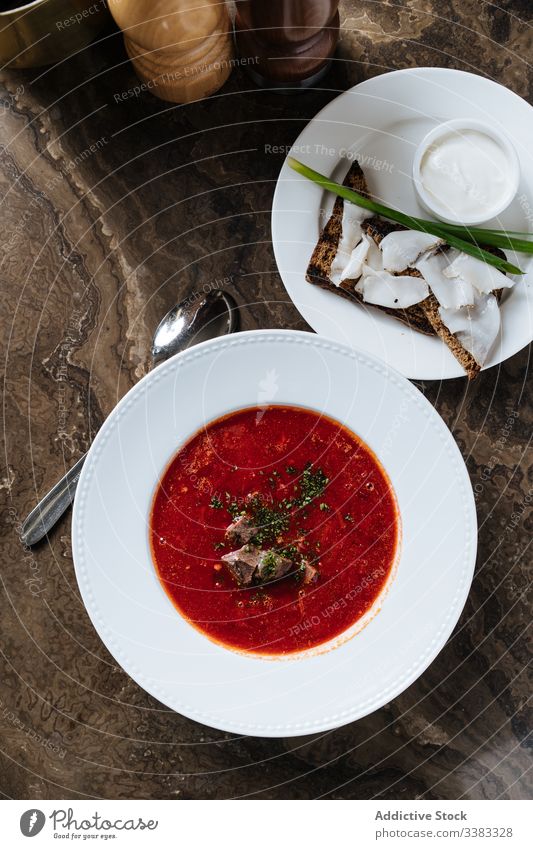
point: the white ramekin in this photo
(428, 202)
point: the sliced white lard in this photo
(450, 292)
(374, 258)
(352, 218)
(482, 276)
(357, 259)
(387, 290)
(402, 248)
(476, 327)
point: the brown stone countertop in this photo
(112, 209)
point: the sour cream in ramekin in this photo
(465, 172)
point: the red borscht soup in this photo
(274, 529)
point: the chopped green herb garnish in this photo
(218, 545)
(269, 521)
(348, 517)
(313, 484)
(268, 566)
(286, 504)
(234, 510)
(271, 517)
(300, 572)
(215, 502)
(289, 551)
(269, 558)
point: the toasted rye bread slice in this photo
(468, 362)
(325, 250)
(378, 228)
(425, 316)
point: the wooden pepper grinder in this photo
(182, 50)
(286, 42)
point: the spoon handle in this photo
(181, 327)
(43, 517)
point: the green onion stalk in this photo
(461, 238)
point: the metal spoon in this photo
(189, 322)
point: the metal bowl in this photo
(47, 31)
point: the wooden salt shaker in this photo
(182, 50)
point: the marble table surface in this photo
(113, 207)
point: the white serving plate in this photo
(176, 663)
(381, 122)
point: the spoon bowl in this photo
(193, 321)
